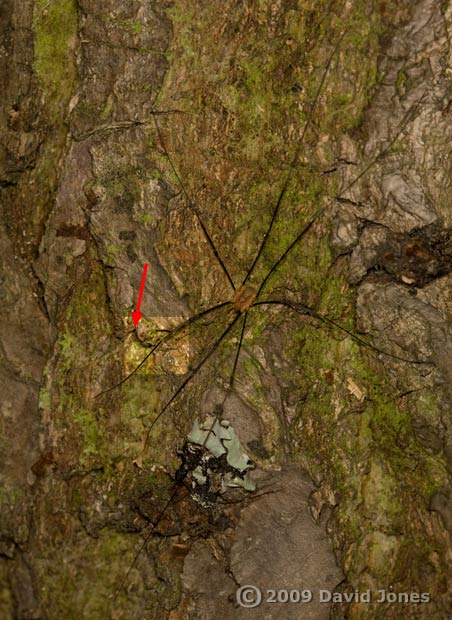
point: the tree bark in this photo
(171, 133)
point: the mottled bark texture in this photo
(353, 448)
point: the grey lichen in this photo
(221, 456)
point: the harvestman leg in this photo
(299, 308)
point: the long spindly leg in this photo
(237, 356)
(153, 529)
(191, 375)
(323, 209)
(403, 123)
(219, 412)
(193, 207)
(141, 548)
(191, 321)
(218, 415)
(283, 190)
(307, 311)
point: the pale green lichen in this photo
(219, 438)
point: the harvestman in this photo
(246, 298)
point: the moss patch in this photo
(55, 26)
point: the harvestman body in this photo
(247, 298)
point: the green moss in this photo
(105, 113)
(257, 397)
(101, 562)
(401, 82)
(112, 251)
(134, 355)
(7, 603)
(69, 348)
(88, 426)
(10, 494)
(382, 501)
(135, 26)
(382, 552)
(146, 219)
(67, 342)
(263, 107)
(428, 404)
(365, 449)
(44, 398)
(372, 457)
(55, 27)
(72, 379)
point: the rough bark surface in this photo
(125, 125)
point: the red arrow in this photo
(136, 314)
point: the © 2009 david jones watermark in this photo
(250, 596)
